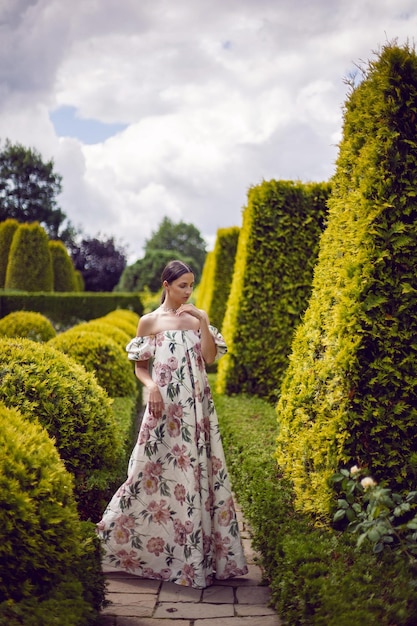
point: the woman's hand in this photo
(155, 402)
(192, 310)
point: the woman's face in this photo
(181, 288)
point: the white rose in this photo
(354, 470)
(368, 482)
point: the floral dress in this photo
(174, 518)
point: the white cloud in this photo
(216, 97)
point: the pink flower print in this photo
(225, 513)
(175, 410)
(197, 390)
(159, 511)
(206, 544)
(173, 426)
(187, 575)
(151, 421)
(197, 477)
(150, 484)
(155, 545)
(101, 526)
(163, 374)
(210, 500)
(183, 461)
(172, 363)
(180, 534)
(205, 426)
(128, 560)
(221, 545)
(166, 573)
(143, 434)
(120, 535)
(232, 569)
(216, 464)
(199, 357)
(153, 468)
(189, 527)
(128, 521)
(180, 493)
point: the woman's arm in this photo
(208, 345)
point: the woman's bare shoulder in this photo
(147, 324)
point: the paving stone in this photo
(192, 611)
(269, 620)
(170, 592)
(146, 621)
(253, 595)
(132, 604)
(218, 595)
(244, 610)
(132, 585)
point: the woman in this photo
(174, 518)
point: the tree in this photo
(100, 262)
(147, 272)
(30, 265)
(182, 240)
(28, 189)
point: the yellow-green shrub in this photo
(273, 271)
(102, 356)
(7, 231)
(63, 268)
(29, 324)
(29, 266)
(349, 396)
(50, 570)
(109, 330)
(50, 387)
(205, 287)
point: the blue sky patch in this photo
(67, 124)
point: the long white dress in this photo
(174, 518)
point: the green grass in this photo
(316, 574)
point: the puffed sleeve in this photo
(141, 348)
(221, 347)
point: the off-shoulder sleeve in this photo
(141, 348)
(221, 347)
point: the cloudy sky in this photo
(153, 108)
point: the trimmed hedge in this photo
(27, 324)
(63, 268)
(350, 393)
(215, 291)
(273, 271)
(101, 355)
(7, 231)
(51, 569)
(29, 266)
(50, 387)
(70, 308)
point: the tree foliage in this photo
(182, 240)
(100, 261)
(147, 272)
(28, 189)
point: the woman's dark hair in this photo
(173, 270)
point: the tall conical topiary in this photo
(30, 265)
(7, 231)
(350, 393)
(273, 271)
(63, 268)
(218, 274)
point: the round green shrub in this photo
(102, 356)
(48, 386)
(109, 330)
(29, 324)
(42, 540)
(127, 321)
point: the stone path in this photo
(237, 602)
